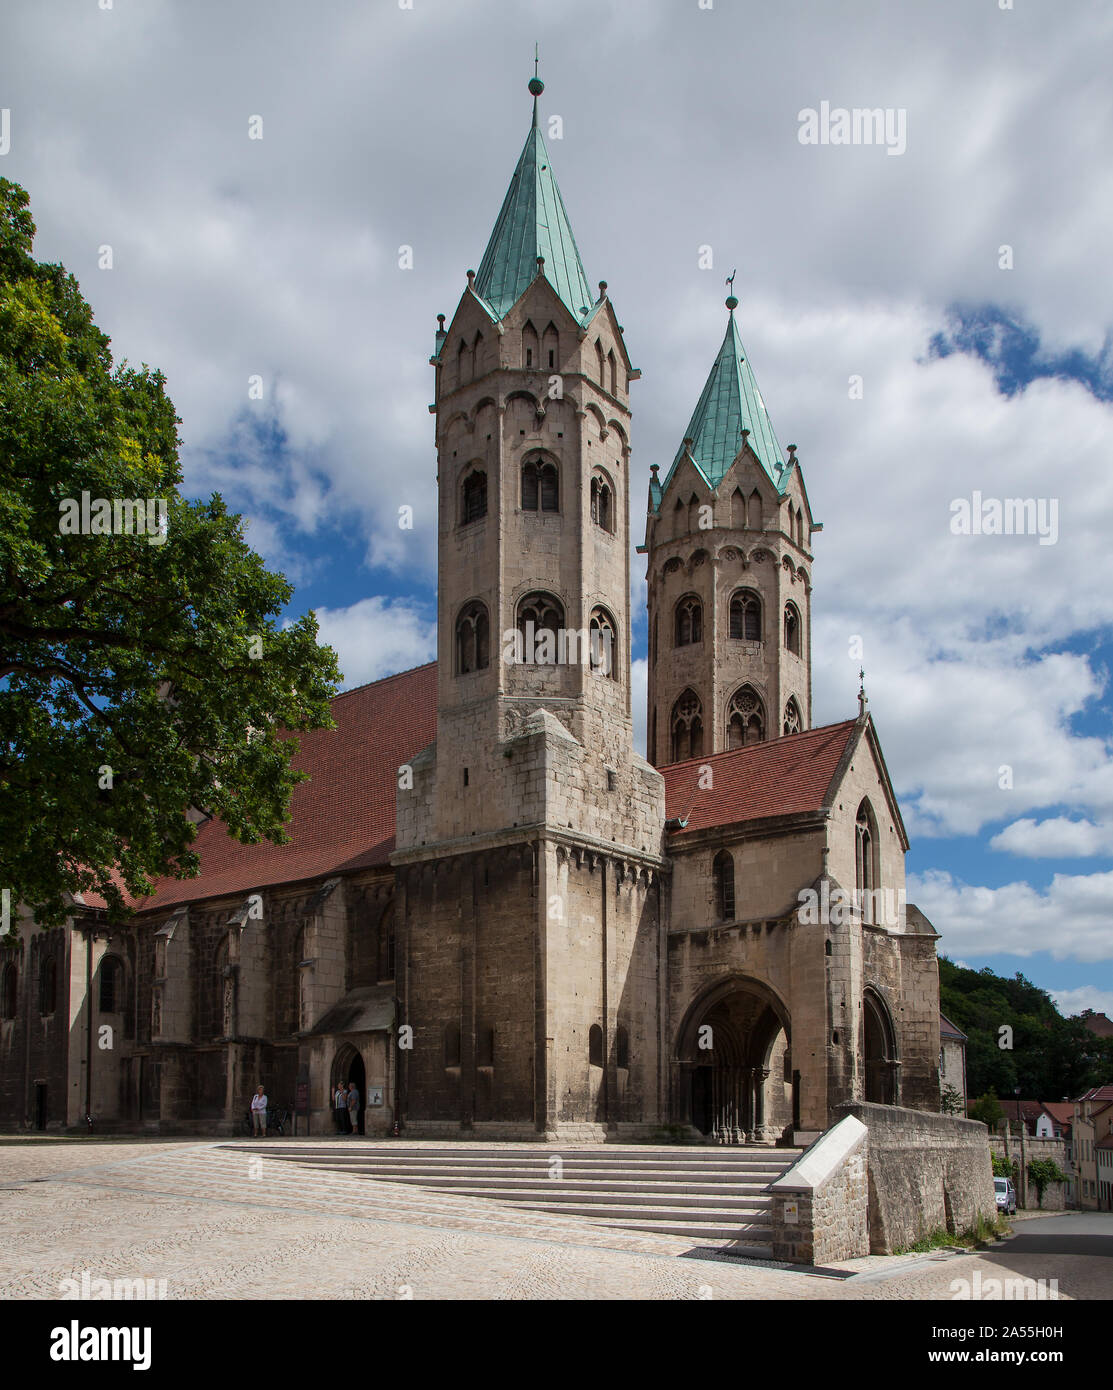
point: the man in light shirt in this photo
(259, 1112)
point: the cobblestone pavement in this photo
(217, 1221)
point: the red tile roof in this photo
(778, 778)
(1061, 1111)
(343, 817)
(1097, 1093)
(948, 1030)
(1099, 1024)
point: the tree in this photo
(1043, 1171)
(987, 1109)
(143, 669)
(950, 1102)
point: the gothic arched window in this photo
(792, 721)
(529, 346)
(601, 364)
(722, 873)
(595, 1046)
(745, 718)
(540, 486)
(745, 616)
(687, 727)
(865, 859)
(9, 990)
(540, 614)
(111, 974)
(689, 621)
(474, 496)
(612, 373)
(473, 640)
(603, 643)
(601, 504)
(792, 628)
(550, 348)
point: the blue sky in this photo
(983, 371)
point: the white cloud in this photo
(1070, 918)
(1073, 1001)
(1057, 837)
(374, 638)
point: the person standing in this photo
(259, 1112)
(340, 1109)
(353, 1107)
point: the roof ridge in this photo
(750, 747)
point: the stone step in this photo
(714, 1195)
(559, 1193)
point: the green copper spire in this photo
(533, 223)
(731, 403)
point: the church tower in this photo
(529, 834)
(728, 539)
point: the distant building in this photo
(1093, 1148)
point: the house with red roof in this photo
(493, 915)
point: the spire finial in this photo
(536, 86)
(863, 699)
(732, 303)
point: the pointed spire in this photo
(863, 699)
(730, 413)
(533, 223)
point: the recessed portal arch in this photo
(735, 1067)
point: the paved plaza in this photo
(220, 1220)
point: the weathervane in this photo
(732, 303)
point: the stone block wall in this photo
(820, 1205)
(926, 1173)
(1056, 1196)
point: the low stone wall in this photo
(926, 1172)
(1055, 1194)
(820, 1206)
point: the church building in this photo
(494, 915)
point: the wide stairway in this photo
(711, 1194)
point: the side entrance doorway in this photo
(348, 1068)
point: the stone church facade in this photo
(494, 915)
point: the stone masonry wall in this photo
(926, 1173)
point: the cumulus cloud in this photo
(1056, 837)
(375, 637)
(1070, 918)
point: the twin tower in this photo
(532, 875)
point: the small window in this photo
(485, 1048)
(540, 486)
(687, 727)
(601, 510)
(473, 640)
(792, 628)
(622, 1049)
(723, 876)
(451, 1045)
(474, 496)
(9, 991)
(48, 985)
(745, 616)
(689, 621)
(111, 980)
(603, 644)
(595, 1046)
(745, 718)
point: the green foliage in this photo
(1043, 1171)
(987, 1108)
(1051, 1057)
(128, 691)
(1004, 1167)
(950, 1102)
